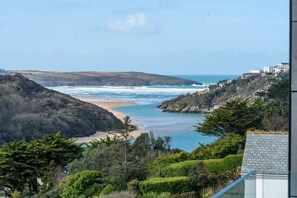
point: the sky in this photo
(156, 36)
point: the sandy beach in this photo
(109, 105)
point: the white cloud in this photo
(134, 23)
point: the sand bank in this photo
(109, 105)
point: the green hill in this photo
(103, 78)
(28, 110)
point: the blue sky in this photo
(157, 36)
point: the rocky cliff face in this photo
(103, 79)
(205, 102)
(28, 110)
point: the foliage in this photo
(86, 183)
(29, 111)
(31, 161)
(192, 194)
(133, 186)
(201, 177)
(122, 194)
(156, 195)
(222, 147)
(109, 160)
(216, 166)
(159, 163)
(170, 184)
(110, 188)
(235, 117)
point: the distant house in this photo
(268, 69)
(267, 154)
(281, 68)
(255, 71)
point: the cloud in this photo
(134, 23)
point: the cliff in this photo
(103, 79)
(28, 110)
(218, 95)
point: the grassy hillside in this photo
(103, 79)
(28, 110)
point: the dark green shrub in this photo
(216, 166)
(228, 145)
(201, 178)
(110, 188)
(175, 185)
(133, 186)
(87, 183)
(159, 163)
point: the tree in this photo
(125, 133)
(31, 160)
(235, 117)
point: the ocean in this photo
(179, 126)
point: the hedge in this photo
(228, 145)
(159, 163)
(215, 166)
(175, 185)
(110, 188)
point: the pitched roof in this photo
(266, 153)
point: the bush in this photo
(156, 195)
(110, 188)
(133, 186)
(174, 185)
(201, 178)
(215, 166)
(86, 183)
(122, 194)
(218, 166)
(159, 163)
(228, 145)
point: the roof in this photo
(267, 153)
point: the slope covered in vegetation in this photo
(28, 110)
(204, 102)
(103, 79)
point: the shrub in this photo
(87, 183)
(110, 188)
(201, 178)
(159, 163)
(122, 194)
(228, 145)
(174, 185)
(156, 195)
(216, 166)
(133, 186)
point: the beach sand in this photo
(109, 105)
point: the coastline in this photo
(109, 105)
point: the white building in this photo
(281, 68)
(268, 69)
(255, 71)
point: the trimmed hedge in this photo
(228, 145)
(215, 166)
(159, 163)
(175, 185)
